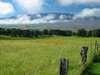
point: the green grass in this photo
(94, 67)
(41, 56)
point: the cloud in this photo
(5, 8)
(25, 19)
(30, 6)
(87, 12)
(68, 2)
(49, 17)
(21, 19)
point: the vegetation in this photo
(37, 33)
(41, 56)
(20, 55)
(94, 67)
(82, 32)
(33, 33)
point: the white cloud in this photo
(6, 8)
(49, 17)
(21, 19)
(25, 19)
(88, 12)
(30, 6)
(62, 17)
(68, 2)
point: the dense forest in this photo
(38, 33)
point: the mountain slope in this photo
(51, 21)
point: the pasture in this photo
(41, 56)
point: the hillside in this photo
(51, 21)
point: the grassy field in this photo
(93, 68)
(41, 56)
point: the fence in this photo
(97, 46)
(64, 63)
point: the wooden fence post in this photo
(96, 46)
(83, 53)
(64, 63)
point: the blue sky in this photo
(19, 7)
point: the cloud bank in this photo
(68, 2)
(25, 19)
(87, 12)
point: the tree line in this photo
(48, 32)
(89, 33)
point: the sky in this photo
(82, 8)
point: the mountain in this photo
(51, 21)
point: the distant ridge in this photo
(51, 21)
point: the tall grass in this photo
(41, 56)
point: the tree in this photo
(82, 32)
(97, 33)
(2, 31)
(90, 33)
(45, 32)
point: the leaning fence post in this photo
(83, 53)
(96, 46)
(64, 63)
